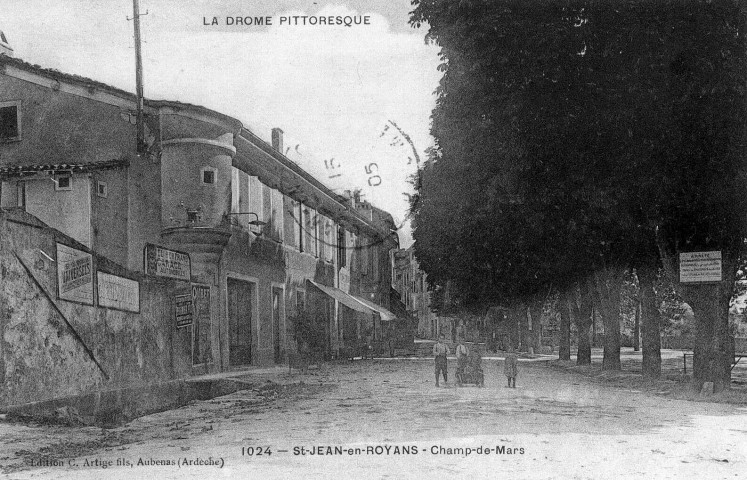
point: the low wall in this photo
(52, 348)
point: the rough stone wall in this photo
(40, 356)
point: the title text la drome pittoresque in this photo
(289, 20)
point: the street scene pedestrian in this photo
(440, 351)
(462, 357)
(511, 367)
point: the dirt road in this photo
(386, 419)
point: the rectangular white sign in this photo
(700, 267)
(118, 292)
(74, 275)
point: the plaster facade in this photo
(259, 231)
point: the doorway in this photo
(277, 316)
(240, 308)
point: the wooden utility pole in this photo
(138, 79)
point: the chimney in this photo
(5, 46)
(348, 197)
(277, 139)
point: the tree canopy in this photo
(578, 135)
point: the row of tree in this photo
(578, 140)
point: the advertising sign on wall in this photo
(201, 348)
(184, 310)
(167, 263)
(74, 275)
(118, 292)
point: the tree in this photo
(650, 335)
(564, 349)
(578, 139)
(698, 202)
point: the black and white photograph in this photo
(373, 239)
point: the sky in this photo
(336, 91)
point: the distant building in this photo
(410, 282)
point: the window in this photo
(10, 121)
(375, 262)
(365, 256)
(329, 240)
(309, 231)
(299, 226)
(266, 212)
(235, 189)
(341, 250)
(277, 220)
(63, 182)
(21, 194)
(101, 189)
(300, 301)
(207, 174)
(314, 233)
(291, 222)
(256, 203)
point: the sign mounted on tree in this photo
(700, 267)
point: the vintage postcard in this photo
(232, 246)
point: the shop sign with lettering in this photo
(202, 325)
(167, 263)
(118, 292)
(74, 275)
(184, 310)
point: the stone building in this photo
(241, 240)
(410, 282)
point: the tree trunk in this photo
(650, 334)
(535, 312)
(593, 323)
(517, 320)
(608, 284)
(711, 362)
(710, 303)
(637, 324)
(583, 323)
(564, 350)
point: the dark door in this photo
(240, 300)
(329, 309)
(277, 311)
(349, 327)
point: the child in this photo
(510, 367)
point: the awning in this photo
(356, 303)
(342, 297)
(386, 315)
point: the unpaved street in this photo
(386, 419)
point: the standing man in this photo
(440, 350)
(461, 356)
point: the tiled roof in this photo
(23, 170)
(94, 84)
